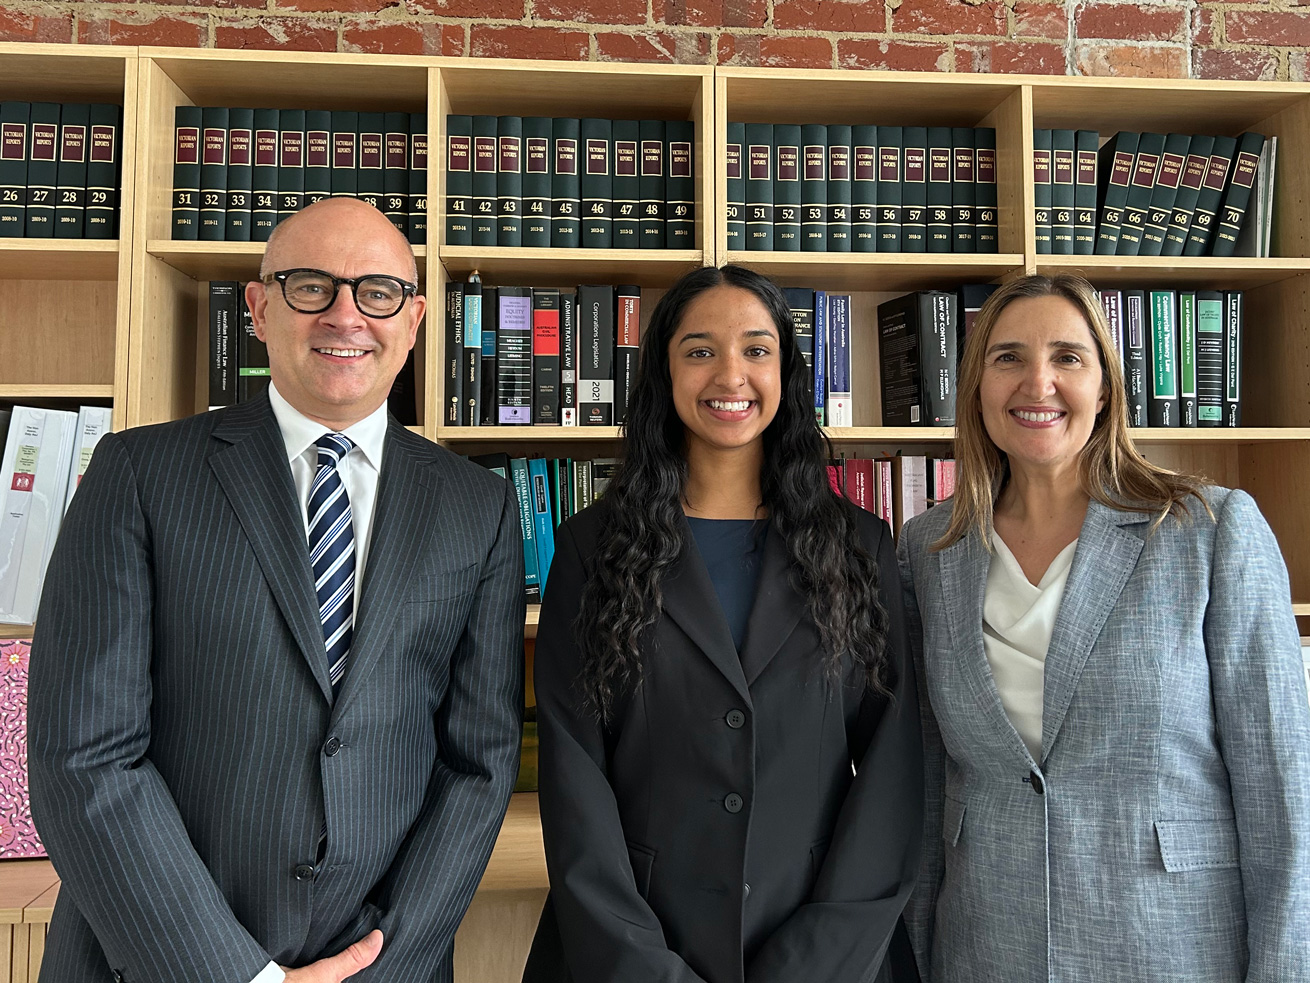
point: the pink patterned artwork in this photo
(17, 833)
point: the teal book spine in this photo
(963, 190)
(1162, 405)
(985, 199)
(680, 154)
(485, 154)
(536, 181)
(318, 156)
(839, 188)
(103, 167)
(264, 175)
(1042, 189)
(370, 174)
(1146, 165)
(1204, 217)
(1237, 196)
(240, 150)
(1062, 192)
(864, 189)
(470, 360)
(416, 177)
(14, 117)
(787, 188)
(1084, 192)
(814, 188)
(186, 170)
(939, 189)
(651, 184)
(213, 173)
(889, 189)
(1168, 179)
(1114, 168)
(759, 186)
(509, 181)
(597, 184)
(539, 496)
(70, 207)
(565, 190)
(626, 186)
(345, 154)
(290, 163)
(395, 171)
(914, 191)
(528, 527)
(735, 207)
(459, 180)
(1189, 189)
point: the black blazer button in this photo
(745, 891)
(304, 872)
(735, 719)
(332, 746)
(733, 802)
(1036, 781)
(118, 977)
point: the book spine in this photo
(1146, 165)
(14, 118)
(536, 181)
(565, 185)
(416, 180)
(518, 468)
(568, 358)
(545, 356)
(627, 184)
(680, 216)
(453, 356)
(839, 412)
(470, 358)
(985, 195)
(459, 180)
(514, 356)
(1209, 358)
(213, 173)
(544, 525)
(1112, 303)
(264, 175)
(318, 156)
(1189, 189)
(820, 356)
(370, 175)
(1135, 358)
(939, 189)
(1042, 189)
(70, 203)
(395, 171)
(937, 357)
(1232, 358)
(240, 163)
(839, 188)
(1162, 407)
(627, 340)
(102, 171)
(1062, 192)
(787, 188)
(1187, 358)
(1114, 173)
(485, 153)
(889, 189)
(509, 181)
(345, 154)
(914, 191)
(1238, 195)
(1168, 177)
(252, 357)
(222, 343)
(490, 377)
(864, 189)
(759, 186)
(291, 162)
(1205, 214)
(651, 184)
(187, 122)
(800, 301)
(596, 356)
(597, 184)
(1084, 192)
(814, 188)
(735, 206)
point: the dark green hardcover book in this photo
(787, 187)
(470, 361)
(680, 184)
(1084, 192)
(290, 163)
(1146, 165)
(1062, 192)
(1136, 360)
(1205, 214)
(395, 170)
(253, 373)
(485, 159)
(964, 192)
(213, 173)
(1233, 330)
(735, 207)
(102, 171)
(545, 356)
(651, 185)
(1168, 177)
(814, 188)
(1189, 189)
(240, 162)
(490, 318)
(14, 118)
(318, 155)
(565, 185)
(626, 186)
(597, 184)
(839, 188)
(1238, 194)
(509, 181)
(1162, 354)
(914, 191)
(1187, 358)
(345, 154)
(454, 410)
(186, 170)
(984, 184)
(1114, 171)
(1042, 189)
(939, 189)
(889, 189)
(224, 318)
(416, 178)
(264, 175)
(370, 174)
(459, 180)
(864, 189)
(759, 186)
(1209, 358)
(536, 181)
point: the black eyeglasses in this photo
(314, 291)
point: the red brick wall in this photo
(1263, 39)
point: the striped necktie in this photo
(332, 553)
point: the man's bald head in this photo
(344, 218)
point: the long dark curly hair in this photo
(643, 536)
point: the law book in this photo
(914, 190)
(252, 356)
(889, 189)
(471, 367)
(485, 154)
(14, 118)
(597, 184)
(514, 356)
(595, 356)
(187, 121)
(561, 489)
(1062, 191)
(627, 341)
(1189, 190)
(839, 188)
(734, 215)
(536, 181)
(814, 188)
(1256, 228)
(224, 326)
(864, 188)
(651, 184)
(820, 356)
(459, 180)
(800, 302)
(917, 354)
(1042, 189)
(1136, 360)
(787, 187)
(1168, 177)
(680, 185)
(759, 186)
(416, 226)
(986, 202)
(509, 181)
(882, 473)
(518, 468)
(860, 486)
(490, 372)
(395, 171)
(1209, 358)
(1205, 215)
(453, 405)
(291, 162)
(1162, 355)
(1114, 167)
(318, 158)
(969, 298)
(345, 154)
(103, 165)
(545, 356)
(1187, 358)
(839, 408)
(93, 422)
(543, 525)
(939, 189)
(1146, 165)
(1233, 332)
(1084, 192)
(909, 488)
(627, 184)
(238, 218)
(371, 172)
(565, 191)
(943, 480)
(964, 193)
(1237, 195)
(568, 358)
(1112, 303)
(264, 175)
(213, 173)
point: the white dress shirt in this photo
(1018, 619)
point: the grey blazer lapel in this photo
(775, 612)
(1102, 563)
(251, 466)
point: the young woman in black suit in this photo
(731, 786)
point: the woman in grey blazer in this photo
(1116, 727)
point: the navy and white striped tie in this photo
(332, 553)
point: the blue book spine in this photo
(544, 524)
(839, 361)
(518, 469)
(820, 354)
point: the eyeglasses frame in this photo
(408, 289)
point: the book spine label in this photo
(471, 358)
(545, 357)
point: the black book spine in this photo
(213, 173)
(1084, 192)
(1168, 177)
(223, 318)
(264, 175)
(759, 186)
(1135, 359)
(485, 159)
(509, 181)
(627, 341)
(1146, 165)
(290, 163)
(814, 188)
(14, 117)
(1189, 189)
(627, 184)
(565, 185)
(102, 171)
(318, 155)
(459, 180)
(395, 170)
(839, 188)
(864, 189)
(597, 184)
(939, 189)
(787, 188)
(345, 154)
(914, 191)
(735, 215)
(470, 359)
(536, 181)
(186, 171)
(371, 172)
(900, 328)
(1238, 194)
(680, 185)
(1233, 358)
(253, 372)
(1062, 192)
(800, 301)
(889, 189)
(1114, 167)
(240, 147)
(1042, 189)
(651, 184)
(984, 190)
(964, 195)
(1204, 216)
(454, 408)
(568, 359)
(416, 179)
(595, 356)
(490, 318)
(937, 357)
(545, 356)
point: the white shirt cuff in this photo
(270, 974)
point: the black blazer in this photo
(742, 818)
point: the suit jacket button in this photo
(332, 746)
(733, 802)
(304, 872)
(745, 891)
(118, 977)
(1036, 781)
(735, 719)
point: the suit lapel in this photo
(1102, 563)
(776, 609)
(252, 469)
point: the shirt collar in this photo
(299, 432)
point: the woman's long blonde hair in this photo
(1110, 468)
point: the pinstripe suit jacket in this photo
(185, 748)
(1164, 834)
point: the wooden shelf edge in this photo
(534, 434)
(873, 435)
(1301, 610)
(55, 391)
(531, 622)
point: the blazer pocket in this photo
(642, 860)
(1200, 844)
(952, 820)
(440, 586)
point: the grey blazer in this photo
(1164, 834)
(185, 748)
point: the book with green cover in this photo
(1062, 192)
(1162, 396)
(345, 154)
(1146, 166)
(14, 116)
(1114, 167)
(914, 191)
(864, 189)
(1168, 177)
(651, 184)
(416, 180)
(889, 189)
(395, 170)
(939, 189)
(986, 202)
(459, 180)
(318, 156)
(814, 188)
(626, 186)
(1189, 190)
(240, 163)
(565, 184)
(509, 180)
(41, 178)
(1084, 192)
(597, 184)
(485, 158)
(1237, 195)
(536, 180)
(102, 171)
(264, 175)
(290, 163)
(371, 173)
(213, 173)
(1205, 215)
(735, 206)
(787, 187)
(680, 184)
(1187, 358)
(839, 188)
(759, 186)
(1042, 189)
(964, 195)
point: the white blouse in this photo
(1018, 619)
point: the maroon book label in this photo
(839, 163)
(625, 158)
(1086, 167)
(397, 151)
(1194, 171)
(458, 157)
(484, 155)
(815, 161)
(316, 148)
(1041, 167)
(939, 165)
(566, 156)
(985, 164)
(1216, 173)
(789, 163)
(652, 158)
(680, 159)
(1062, 167)
(537, 160)
(598, 157)
(13, 141)
(963, 158)
(1171, 170)
(102, 143)
(418, 152)
(370, 151)
(889, 163)
(734, 160)
(266, 148)
(509, 161)
(1121, 171)
(215, 146)
(187, 149)
(866, 163)
(758, 157)
(1144, 172)
(915, 165)
(293, 149)
(73, 146)
(1244, 169)
(238, 147)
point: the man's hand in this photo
(343, 965)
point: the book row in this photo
(238, 172)
(863, 189)
(566, 183)
(896, 488)
(1152, 194)
(59, 170)
(44, 455)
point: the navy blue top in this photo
(733, 550)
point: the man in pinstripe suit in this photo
(277, 675)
